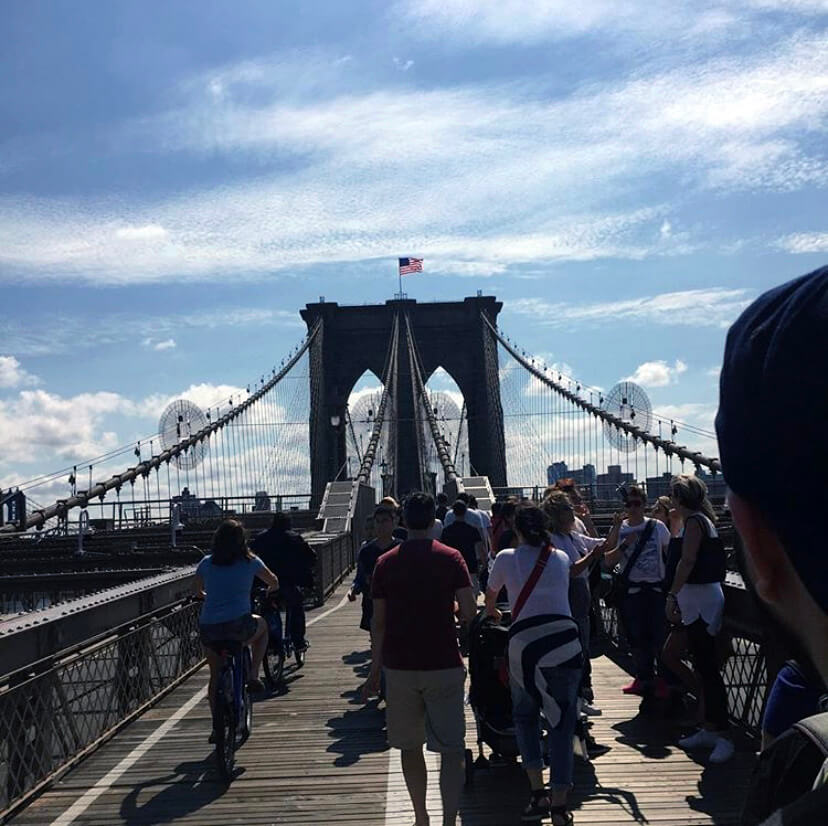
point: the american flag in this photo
(410, 265)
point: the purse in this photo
(621, 581)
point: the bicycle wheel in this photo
(224, 725)
(274, 664)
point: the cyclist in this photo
(291, 558)
(224, 579)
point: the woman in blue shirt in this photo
(224, 580)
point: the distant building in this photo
(607, 484)
(660, 485)
(583, 477)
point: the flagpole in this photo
(399, 275)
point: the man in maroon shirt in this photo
(413, 636)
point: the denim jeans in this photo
(645, 625)
(563, 686)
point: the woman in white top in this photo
(566, 536)
(545, 658)
(700, 608)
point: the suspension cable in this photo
(670, 448)
(81, 499)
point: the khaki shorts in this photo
(425, 707)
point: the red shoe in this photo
(635, 687)
(662, 690)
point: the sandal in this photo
(561, 816)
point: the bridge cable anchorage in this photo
(443, 453)
(670, 448)
(82, 498)
(389, 384)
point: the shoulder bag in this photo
(621, 581)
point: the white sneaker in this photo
(701, 739)
(723, 750)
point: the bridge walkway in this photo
(317, 755)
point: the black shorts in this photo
(240, 629)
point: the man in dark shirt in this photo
(369, 553)
(768, 459)
(414, 588)
(442, 506)
(466, 538)
(285, 551)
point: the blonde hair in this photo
(691, 493)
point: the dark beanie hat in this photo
(772, 422)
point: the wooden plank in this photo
(318, 756)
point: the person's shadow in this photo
(189, 787)
(587, 788)
(645, 734)
(357, 732)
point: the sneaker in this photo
(587, 694)
(635, 687)
(587, 708)
(701, 739)
(722, 751)
(662, 690)
(537, 808)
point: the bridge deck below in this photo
(318, 756)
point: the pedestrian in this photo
(562, 528)
(292, 559)
(695, 600)
(545, 657)
(414, 589)
(369, 553)
(773, 407)
(641, 557)
(465, 538)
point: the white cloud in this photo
(403, 65)
(657, 373)
(516, 175)
(166, 344)
(714, 307)
(535, 21)
(666, 229)
(804, 242)
(147, 232)
(13, 375)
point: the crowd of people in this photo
(661, 566)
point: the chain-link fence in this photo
(49, 719)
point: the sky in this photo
(178, 179)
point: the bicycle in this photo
(280, 645)
(232, 709)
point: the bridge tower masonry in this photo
(449, 334)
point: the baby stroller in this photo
(490, 696)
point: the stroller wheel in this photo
(469, 767)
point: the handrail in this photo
(38, 517)
(670, 448)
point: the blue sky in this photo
(177, 180)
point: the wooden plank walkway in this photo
(317, 755)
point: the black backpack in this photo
(784, 776)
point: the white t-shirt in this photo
(576, 546)
(649, 567)
(513, 567)
(436, 530)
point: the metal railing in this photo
(52, 714)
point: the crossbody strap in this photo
(645, 535)
(529, 585)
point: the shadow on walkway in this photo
(189, 787)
